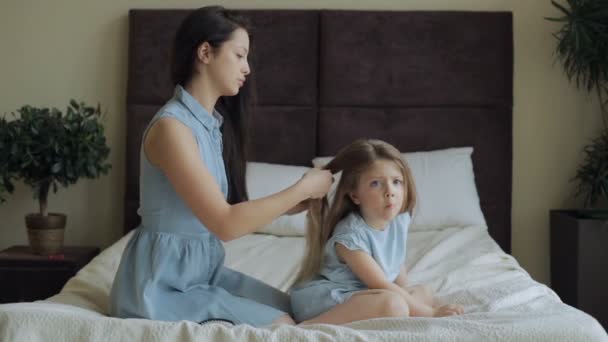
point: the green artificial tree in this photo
(45, 149)
(582, 48)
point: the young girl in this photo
(192, 190)
(354, 266)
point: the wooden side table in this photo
(26, 277)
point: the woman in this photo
(192, 190)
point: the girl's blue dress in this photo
(336, 282)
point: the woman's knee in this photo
(284, 319)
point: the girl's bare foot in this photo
(448, 310)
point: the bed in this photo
(437, 85)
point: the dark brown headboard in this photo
(417, 79)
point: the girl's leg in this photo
(424, 293)
(364, 305)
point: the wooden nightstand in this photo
(579, 261)
(26, 277)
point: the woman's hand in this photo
(316, 182)
(300, 207)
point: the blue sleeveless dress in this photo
(336, 282)
(172, 268)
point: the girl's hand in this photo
(316, 182)
(448, 310)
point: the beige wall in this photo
(55, 50)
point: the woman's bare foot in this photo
(448, 310)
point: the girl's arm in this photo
(370, 273)
(171, 146)
(401, 279)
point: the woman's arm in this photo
(370, 273)
(171, 146)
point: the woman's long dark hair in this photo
(215, 25)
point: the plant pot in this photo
(45, 233)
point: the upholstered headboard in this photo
(420, 80)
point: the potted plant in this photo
(47, 148)
(6, 136)
(579, 236)
(583, 50)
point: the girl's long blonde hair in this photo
(352, 160)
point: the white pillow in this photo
(445, 184)
(265, 179)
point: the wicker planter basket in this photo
(45, 233)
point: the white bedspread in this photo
(502, 302)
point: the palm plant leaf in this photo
(582, 48)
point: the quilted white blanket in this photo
(464, 265)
